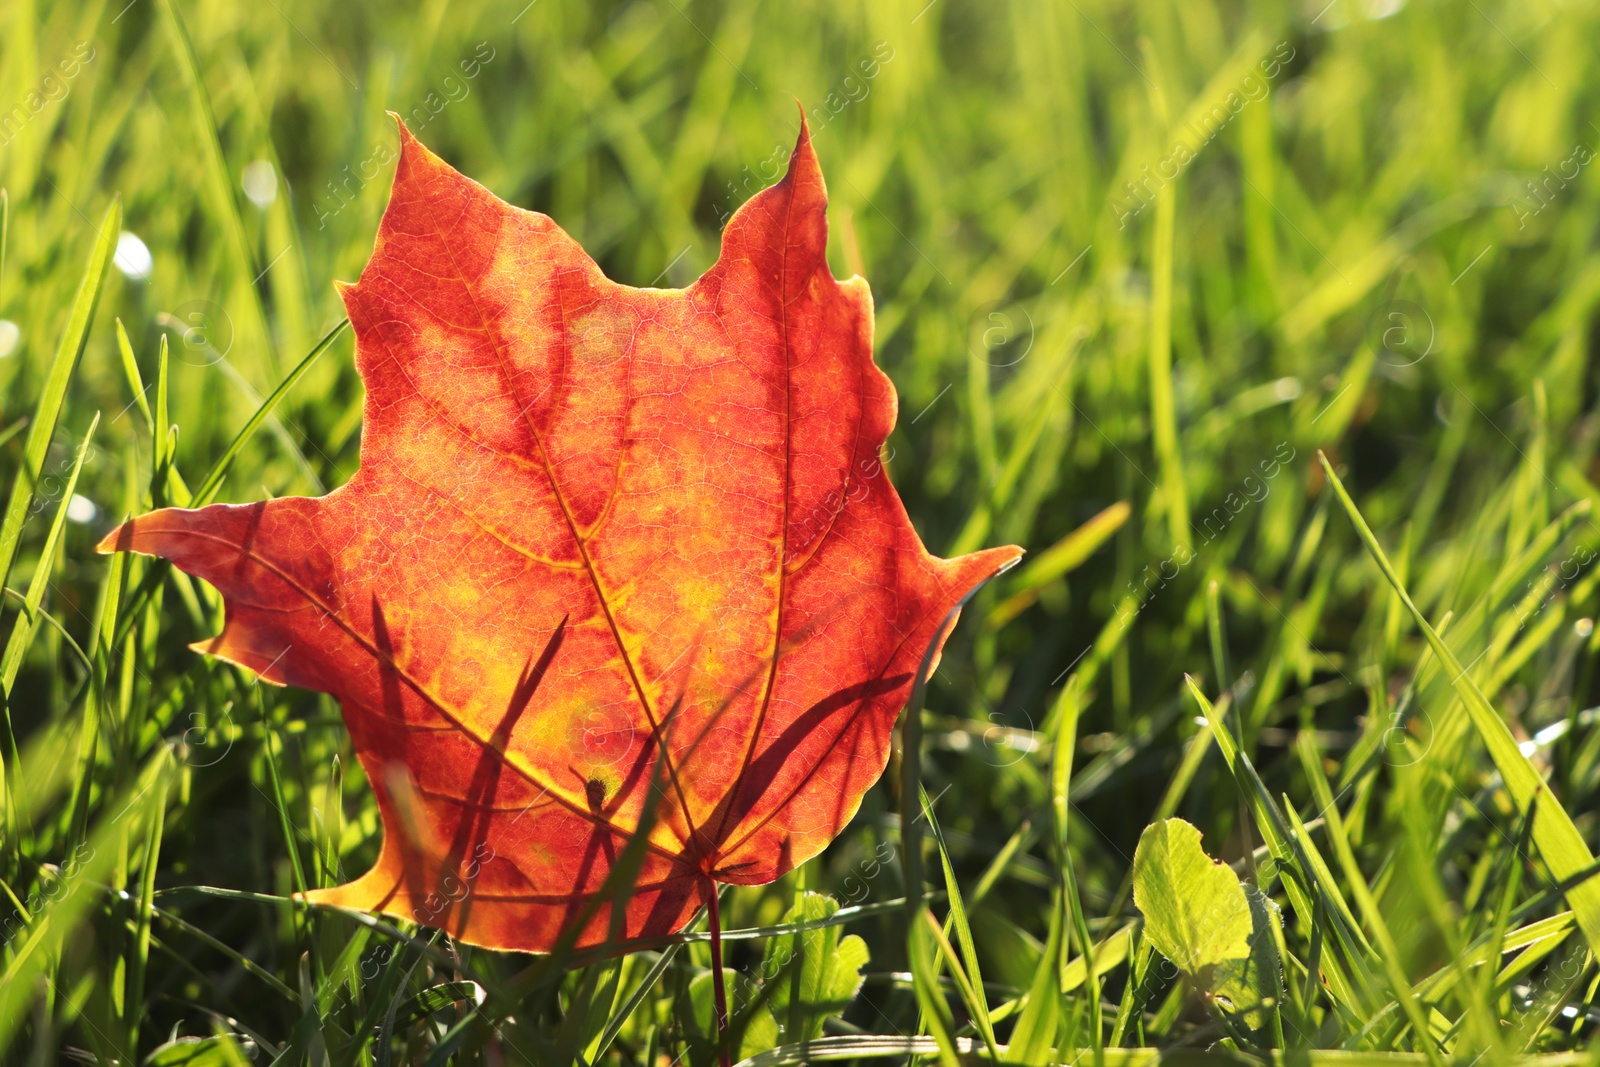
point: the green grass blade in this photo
(620, 1017)
(218, 181)
(219, 470)
(11, 431)
(22, 636)
(925, 951)
(1065, 716)
(130, 369)
(1163, 411)
(1061, 558)
(1033, 1039)
(1217, 632)
(139, 945)
(1558, 841)
(978, 1003)
(32, 957)
(1314, 896)
(1388, 950)
(27, 623)
(1182, 778)
(47, 412)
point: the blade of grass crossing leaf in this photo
(619, 883)
(1560, 844)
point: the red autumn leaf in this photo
(602, 541)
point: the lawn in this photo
(1266, 328)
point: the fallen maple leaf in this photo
(602, 541)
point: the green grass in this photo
(1389, 727)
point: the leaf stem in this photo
(719, 991)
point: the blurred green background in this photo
(1133, 263)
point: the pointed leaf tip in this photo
(118, 540)
(803, 160)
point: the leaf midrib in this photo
(566, 513)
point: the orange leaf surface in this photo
(604, 542)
